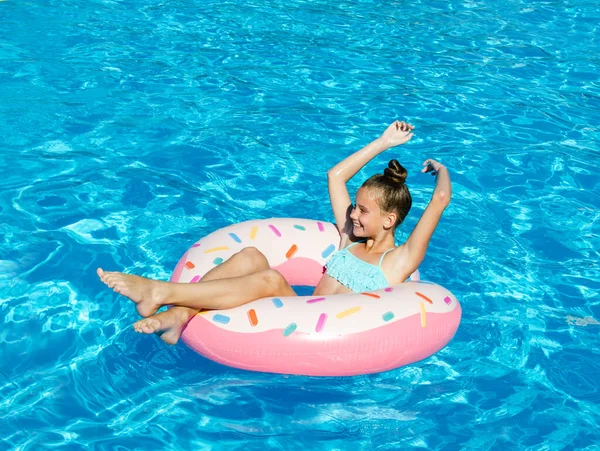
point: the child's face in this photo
(366, 215)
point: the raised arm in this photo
(413, 251)
(337, 177)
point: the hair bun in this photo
(396, 172)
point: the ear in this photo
(390, 220)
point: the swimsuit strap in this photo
(381, 259)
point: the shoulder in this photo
(348, 240)
(397, 262)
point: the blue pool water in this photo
(129, 129)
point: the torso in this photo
(329, 286)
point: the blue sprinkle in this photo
(299, 227)
(277, 302)
(288, 330)
(217, 261)
(235, 237)
(328, 250)
(221, 319)
(388, 316)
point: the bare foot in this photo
(167, 325)
(149, 295)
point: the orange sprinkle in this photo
(424, 297)
(373, 295)
(252, 317)
(189, 265)
(291, 251)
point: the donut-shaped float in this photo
(336, 335)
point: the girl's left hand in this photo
(397, 133)
(432, 166)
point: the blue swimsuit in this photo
(355, 273)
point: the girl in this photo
(367, 260)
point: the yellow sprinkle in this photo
(215, 249)
(423, 314)
(345, 313)
(203, 312)
(253, 232)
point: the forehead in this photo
(367, 197)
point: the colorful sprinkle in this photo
(424, 297)
(321, 226)
(218, 318)
(388, 290)
(299, 227)
(235, 238)
(253, 232)
(252, 317)
(203, 312)
(277, 302)
(388, 316)
(288, 330)
(328, 250)
(373, 295)
(290, 253)
(216, 249)
(217, 261)
(345, 313)
(321, 322)
(312, 301)
(423, 314)
(447, 300)
(195, 279)
(196, 245)
(189, 265)
(275, 231)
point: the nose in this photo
(353, 213)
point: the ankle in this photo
(183, 313)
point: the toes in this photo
(137, 326)
(147, 329)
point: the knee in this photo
(274, 279)
(254, 257)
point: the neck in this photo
(381, 243)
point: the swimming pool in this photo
(131, 129)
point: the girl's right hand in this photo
(397, 133)
(432, 166)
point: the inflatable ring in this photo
(336, 335)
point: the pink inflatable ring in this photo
(338, 335)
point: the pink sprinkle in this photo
(196, 245)
(321, 322)
(388, 290)
(312, 301)
(195, 279)
(447, 300)
(275, 231)
(320, 226)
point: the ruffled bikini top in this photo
(355, 273)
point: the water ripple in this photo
(129, 131)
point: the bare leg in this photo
(149, 294)
(170, 323)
